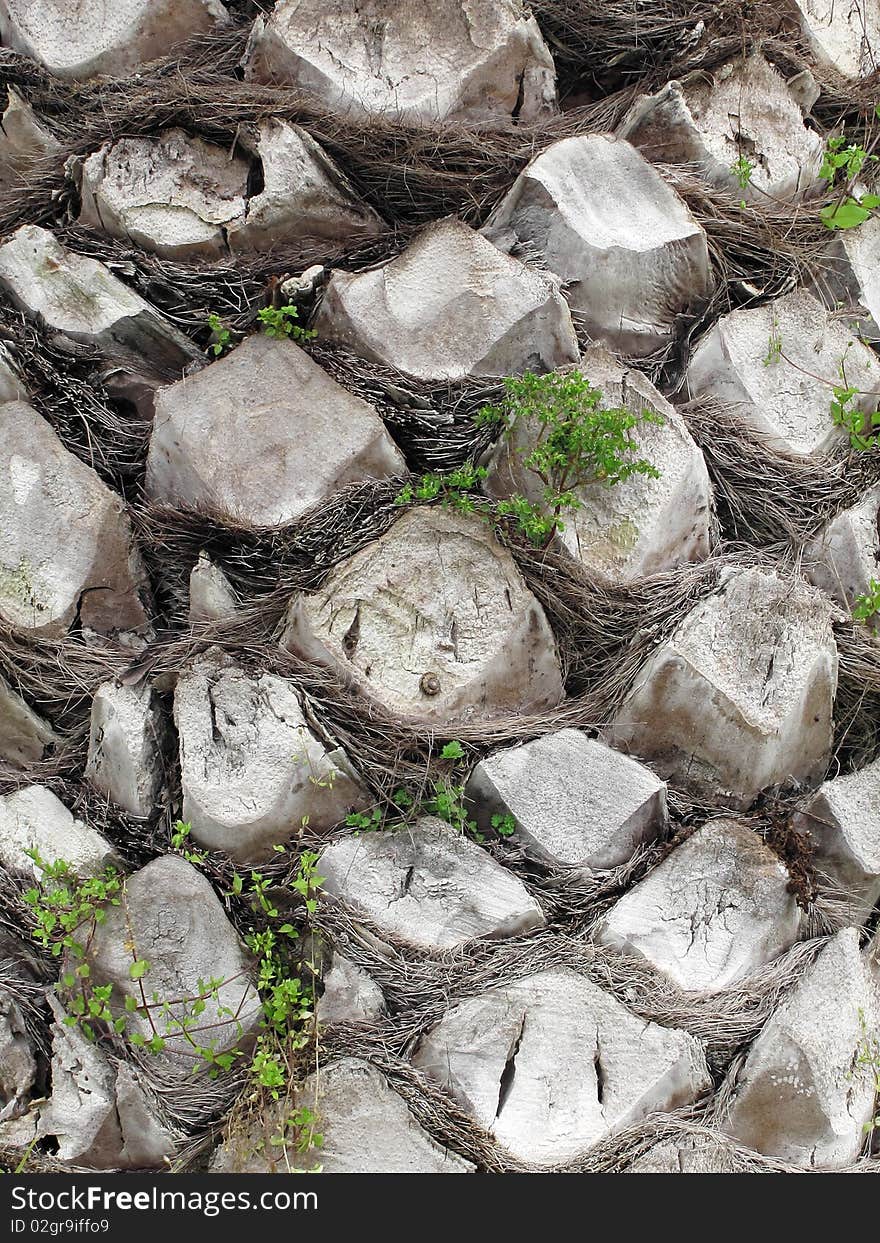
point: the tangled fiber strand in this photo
(600, 43)
(420, 988)
(764, 496)
(433, 422)
(411, 175)
(65, 385)
(58, 677)
(764, 246)
(27, 993)
(857, 707)
(605, 632)
(234, 288)
(262, 561)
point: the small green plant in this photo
(455, 487)
(843, 162)
(843, 159)
(579, 441)
(377, 817)
(868, 1058)
(222, 337)
(848, 416)
(179, 838)
(287, 1000)
(280, 321)
(446, 802)
(774, 344)
(534, 523)
(66, 912)
(303, 1122)
(67, 909)
(504, 825)
(867, 605)
(849, 212)
(742, 169)
(366, 821)
(443, 798)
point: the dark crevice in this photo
(505, 1083)
(352, 635)
(256, 180)
(216, 735)
(600, 1071)
(520, 94)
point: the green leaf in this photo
(138, 969)
(845, 215)
(452, 751)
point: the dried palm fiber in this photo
(410, 174)
(419, 988)
(857, 709)
(604, 633)
(64, 385)
(766, 497)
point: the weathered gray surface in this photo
(251, 768)
(465, 643)
(408, 60)
(82, 38)
(184, 198)
(628, 273)
(24, 735)
(170, 916)
(99, 1114)
(842, 822)
(80, 298)
(848, 274)
(740, 697)
(451, 305)
(18, 1063)
(844, 36)
(552, 1064)
(744, 109)
(12, 386)
(575, 801)
(211, 595)
(685, 1157)
(845, 555)
(781, 399)
(801, 1095)
(126, 738)
(640, 526)
(262, 435)
(350, 995)
(712, 912)
(428, 886)
(33, 818)
(366, 1127)
(174, 194)
(304, 194)
(23, 139)
(66, 546)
